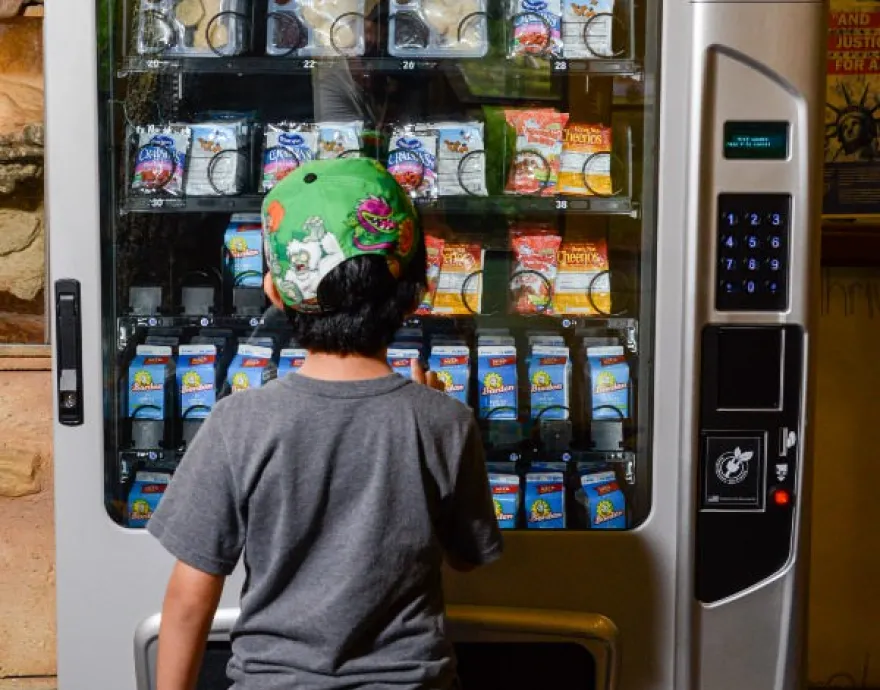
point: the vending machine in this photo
(620, 206)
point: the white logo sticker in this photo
(733, 467)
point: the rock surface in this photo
(19, 473)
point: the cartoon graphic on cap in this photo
(312, 258)
(375, 228)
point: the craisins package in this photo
(412, 160)
(287, 146)
(203, 28)
(160, 159)
(315, 28)
(535, 166)
(533, 277)
(438, 28)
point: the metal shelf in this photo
(498, 205)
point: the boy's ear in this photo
(271, 291)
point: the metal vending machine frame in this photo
(680, 601)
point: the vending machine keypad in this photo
(752, 256)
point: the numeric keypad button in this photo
(729, 242)
(774, 241)
(775, 219)
(752, 242)
(730, 219)
(774, 265)
(750, 287)
(753, 219)
(752, 264)
(728, 287)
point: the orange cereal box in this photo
(585, 167)
(582, 280)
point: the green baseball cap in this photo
(325, 212)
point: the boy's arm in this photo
(470, 533)
(190, 602)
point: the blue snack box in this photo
(452, 364)
(143, 499)
(550, 382)
(197, 380)
(609, 382)
(605, 502)
(149, 382)
(251, 368)
(496, 374)
(506, 496)
(291, 359)
(545, 500)
(244, 246)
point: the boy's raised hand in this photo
(429, 378)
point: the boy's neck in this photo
(331, 367)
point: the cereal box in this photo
(460, 284)
(550, 382)
(582, 283)
(243, 240)
(143, 499)
(535, 166)
(585, 167)
(545, 500)
(497, 377)
(196, 380)
(506, 497)
(452, 364)
(291, 359)
(150, 379)
(434, 258)
(251, 368)
(603, 499)
(534, 269)
(609, 382)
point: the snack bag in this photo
(196, 380)
(150, 377)
(609, 378)
(496, 374)
(286, 147)
(143, 499)
(160, 160)
(452, 363)
(400, 356)
(534, 269)
(461, 159)
(339, 139)
(243, 240)
(587, 26)
(434, 251)
(585, 168)
(291, 359)
(315, 28)
(582, 282)
(251, 368)
(550, 382)
(535, 165)
(545, 500)
(537, 28)
(506, 497)
(603, 500)
(460, 285)
(217, 164)
(412, 161)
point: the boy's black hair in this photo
(364, 306)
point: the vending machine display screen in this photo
(756, 140)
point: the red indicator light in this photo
(781, 497)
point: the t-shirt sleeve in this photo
(200, 519)
(471, 531)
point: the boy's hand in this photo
(428, 379)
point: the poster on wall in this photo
(852, 110)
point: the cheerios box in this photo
(143, 499)
(497, 380)
(291, 359)
(604, 500)
(197, 380)
(452, 364)
(506, 497)
(150, 382)
(545, 500)
(244, 250)
(252, 367)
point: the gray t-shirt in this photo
(343, 497)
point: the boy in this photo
(344, 485)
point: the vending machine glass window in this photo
(524, 132)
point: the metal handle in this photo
(68, 348)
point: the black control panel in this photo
(750, 410)
(753, 250)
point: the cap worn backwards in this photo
(326, 212)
